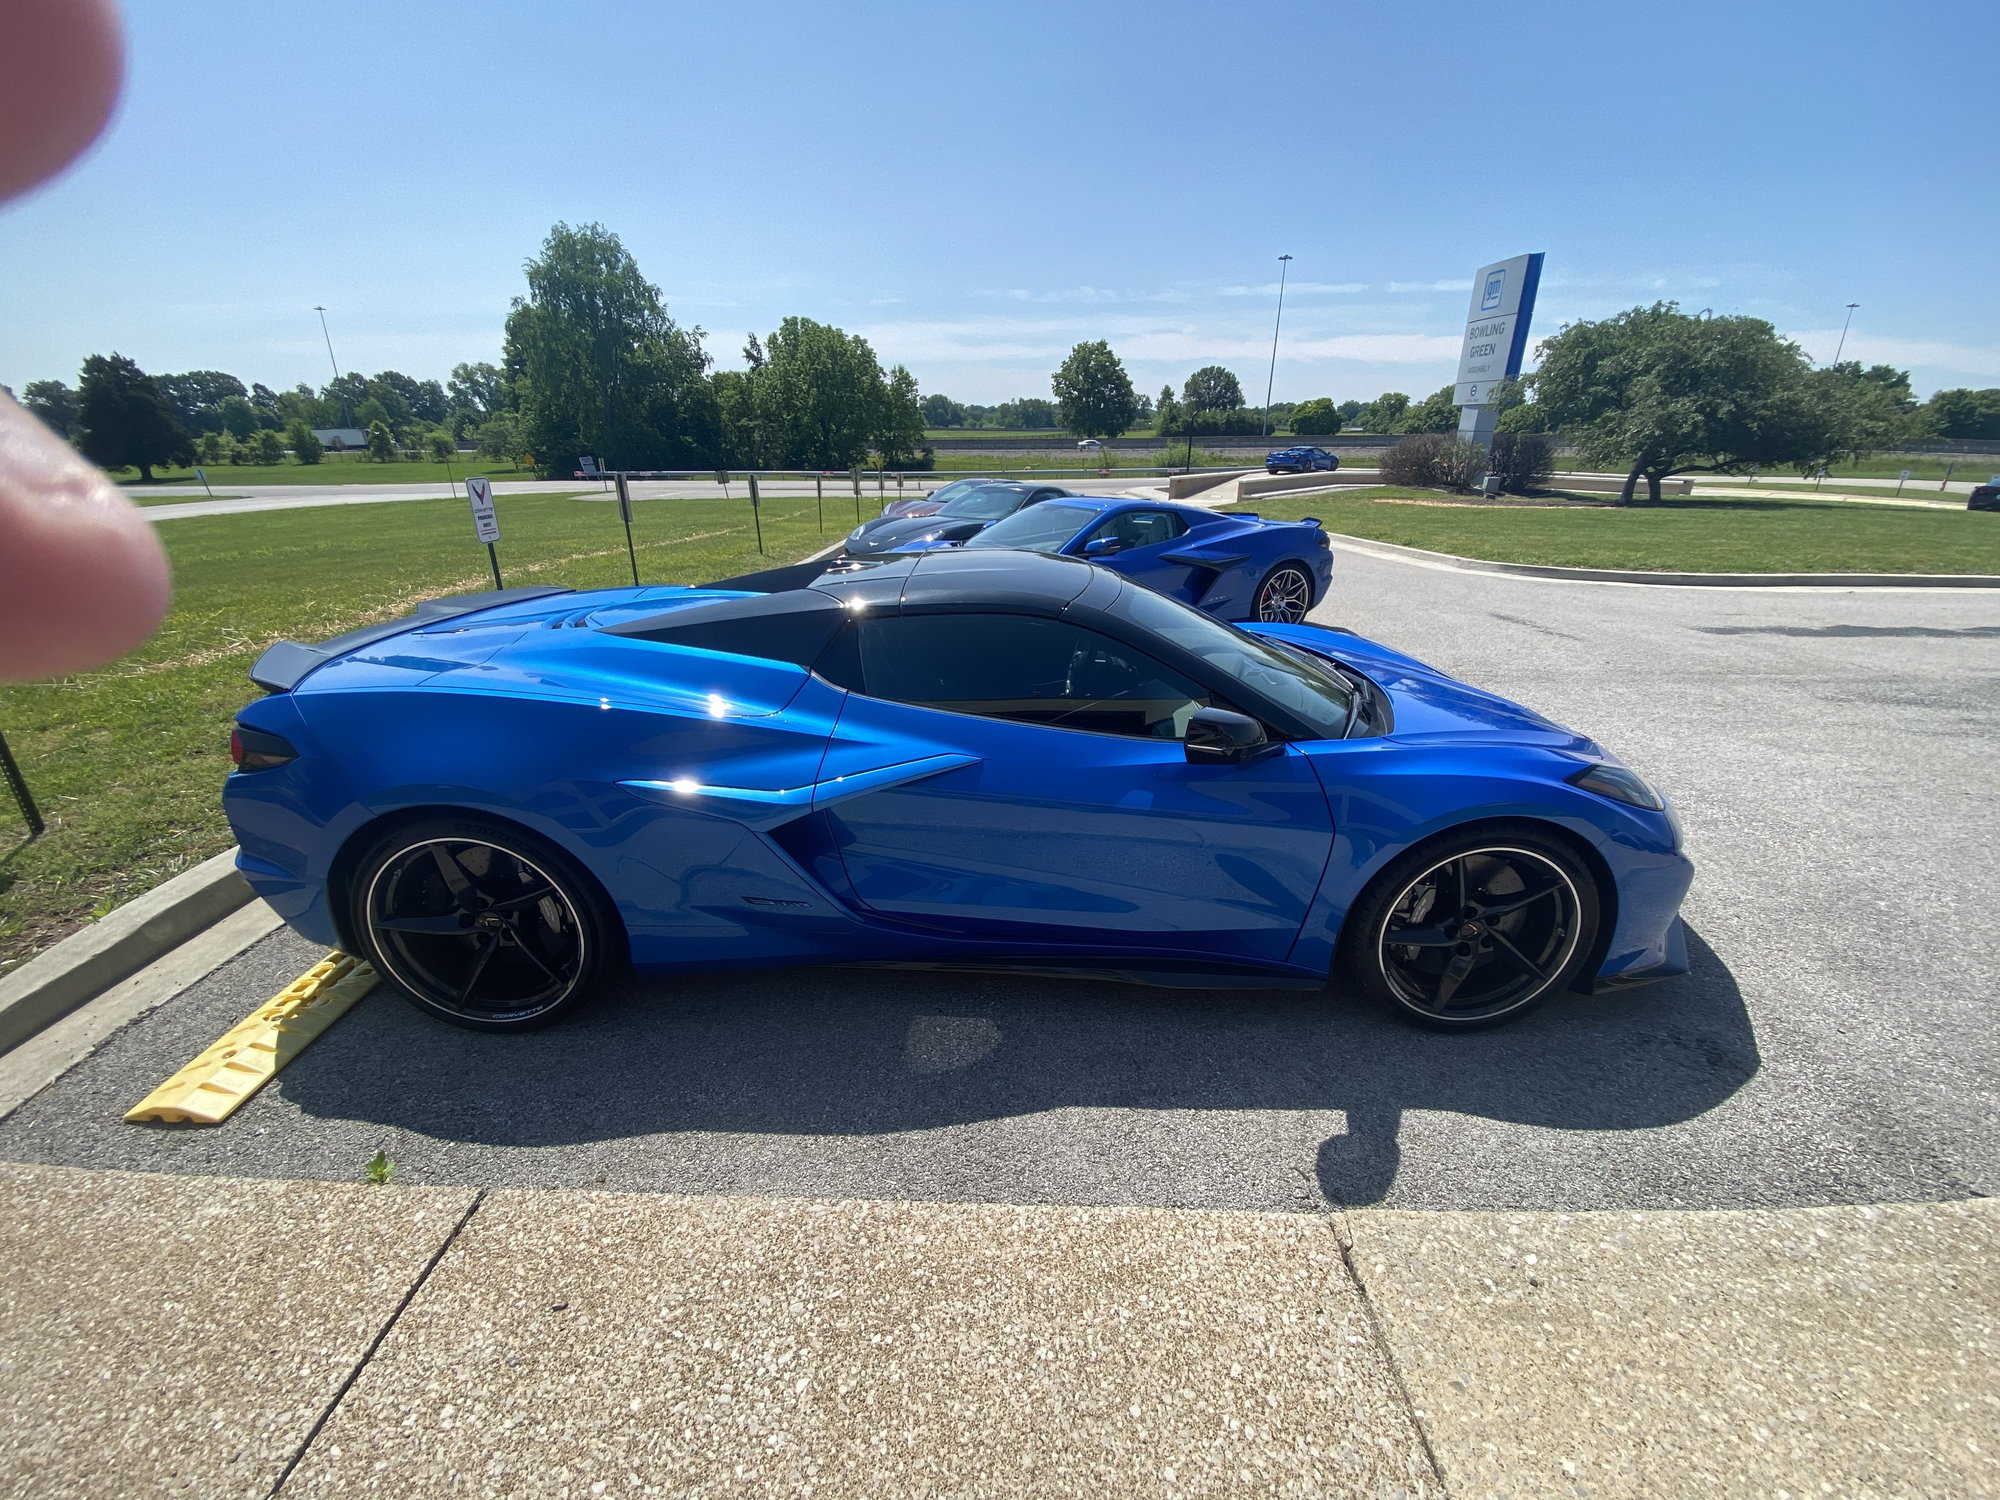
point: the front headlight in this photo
(1620, 785)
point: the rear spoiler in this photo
(285, 665)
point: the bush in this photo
(1524, 461)
(1435, 461)
(439, 444)
(306, 448)
(1234, 421)
(381, 446)
(268, 447)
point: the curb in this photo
(60, 979)
(1674, 580)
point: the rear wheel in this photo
(481, 923)
(1284, 597)
(1475, 930)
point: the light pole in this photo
(1843, 332)
(329, 356)
(1271, 378)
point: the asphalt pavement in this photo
(1830, 754)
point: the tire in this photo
(513, 935)
(1518, 931)
(1285, 596)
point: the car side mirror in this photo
(1100, 546)
(1219, 736)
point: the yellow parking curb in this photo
(208, 1090)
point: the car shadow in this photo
(858, 1052)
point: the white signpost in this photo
(1496, 339)
(485, 524)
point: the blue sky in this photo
(976, 188)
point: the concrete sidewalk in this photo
(226, 1337)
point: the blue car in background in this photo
(1235, 567)
(970, 508)
(1300, 461)
(958, 758)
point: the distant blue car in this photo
(963, 757)
(1235, 567)
(1300, 461)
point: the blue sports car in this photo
(1235, 567)
(960, 758)
(1300, 461)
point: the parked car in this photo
(960, 517)
(1300, 461)
(928, 504)
(1983, 497)
(1235, 566)
(964, 757)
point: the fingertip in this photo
(62, 63)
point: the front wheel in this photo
(481, 923)
(1284, 597)
(1475, 930)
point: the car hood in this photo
(1428, 704)
(894, 535)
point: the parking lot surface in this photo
(1830, 753)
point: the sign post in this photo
(855, 474)
(485, 525)
(756, 512)
(625, 514)
(1496, 339)
(18, 785)
(202, 475)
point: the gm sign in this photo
(1496, 327)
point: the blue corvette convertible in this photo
(966, 757)
(1235, 567)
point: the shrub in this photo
(306, 448)
(268, 447)
(439, 444)
(1524, 461)
(1434, 460)
(381, 446)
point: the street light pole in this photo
(1843, 332)
(1271, 378)
(329, 357)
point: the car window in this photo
(1047, 527)
(1025, 668)
(1139, 528)
(989, 502)
(1321, 699)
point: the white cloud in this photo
(1975, 361)
(1294, 288)
(1463, 284)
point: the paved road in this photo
(1831, 755)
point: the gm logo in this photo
(1491, 299)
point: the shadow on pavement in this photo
(860, 1052)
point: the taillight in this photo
(258, 749)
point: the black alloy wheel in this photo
(480, 923)
(1284, 597)
(1475, 931)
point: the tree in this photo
(942, 411)
(899, 431)
(500, 437)
(1383, 414)
(1166, 412)
(1957, 413)
(305, 447)
(1437, 412)
(381, 442)
(196, 398)
(439, 444)
(1094, 395)
(1666, 392)
(54, 402)
(1212, 388)
(345, 393)
(1316, 417)
(268, 447)
(475, 388)
(1142, 414)
(1026, 414)
(819, 398)
(1348, 410)
(126, 422)
(599, 366)
(238, 416)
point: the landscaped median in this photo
(127, 762)
(1775, 535)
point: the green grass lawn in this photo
(127, 762)
(335, 468)
(1975, 469)
(1696, 536)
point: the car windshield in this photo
(1321, 699)
(1047, 527)
(945, 494)
(989, 502)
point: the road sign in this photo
(480, 493)
(588, 465)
